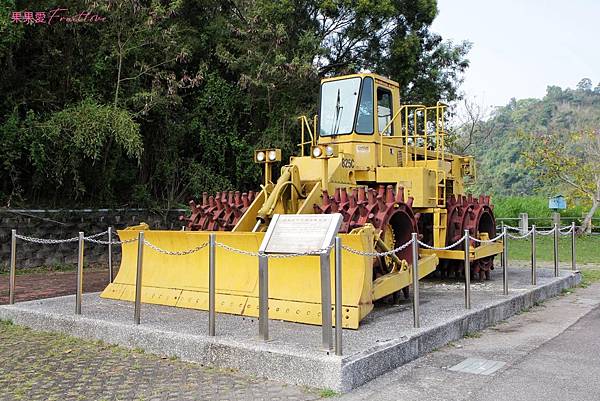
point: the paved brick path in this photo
(50, 366)
(52, 284)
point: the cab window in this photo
(384, 110)
(364, 120)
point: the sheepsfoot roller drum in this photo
(380, 164)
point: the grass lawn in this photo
(587, 248)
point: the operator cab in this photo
(361, 104)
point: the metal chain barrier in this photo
(512, 228)
(446, 248)
(569, 231)
(545, 232)
(115, 242)
(274, 256)
(51, 241)
(175, 253)
(46, 241)
(374, 254)
(487, 241)
(527, 234)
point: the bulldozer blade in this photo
(294, 283)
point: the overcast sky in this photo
(521, 47)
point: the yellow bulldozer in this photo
(383, 165)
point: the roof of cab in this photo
(362, 75)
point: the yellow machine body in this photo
(294, 283)
(405, 150)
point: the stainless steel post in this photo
(533, 257)
(415, 281)
(13, 267)
(338, 296)
(211, 283)
(326, 300)
(263, 297)
(504, 239)
(79, 275)
(467, 271)
(138, 279)
(505, 262)
(111, 275)
(556, 233)
(573, 254)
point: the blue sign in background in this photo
(557, 202)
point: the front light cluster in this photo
(324, 152)
(267, 155)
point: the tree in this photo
(201, 83)
(472, 126)
(585, 84)
(572, 159)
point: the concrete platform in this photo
(384, 341)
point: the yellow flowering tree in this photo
(573, 159)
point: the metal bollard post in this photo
(573, 254)
(263, 297)
(111, 275)
(502, 255)
(505, 262)
(533, 257)
(326, 300)
(338, 296)
(138, 279)
(467, 271)
(79, 276)
(13, 267)
(211, 283)
(415, 281)
(556, 233)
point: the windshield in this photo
(338, 106)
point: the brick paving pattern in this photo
(51, 366)
(52, 284)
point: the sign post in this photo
(310, 234)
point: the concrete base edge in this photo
(326, 371)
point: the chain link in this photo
(235, 250)
(175, 253)
(101, 242)
(512, 228)
(487, 241)
(569, 231)
(272, 255)
(46, 241)
(545, 232)
(51, 241)
(527, 234)
(97, 235)
(374, 254)
(424, 245)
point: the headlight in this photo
(317, 152)
(272, 155)
(329, 150)
(260, 156)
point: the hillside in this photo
(501, 168)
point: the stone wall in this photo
(62, 224)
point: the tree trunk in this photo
(586, 225)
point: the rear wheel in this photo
(475, 215)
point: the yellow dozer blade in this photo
(294, 283)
